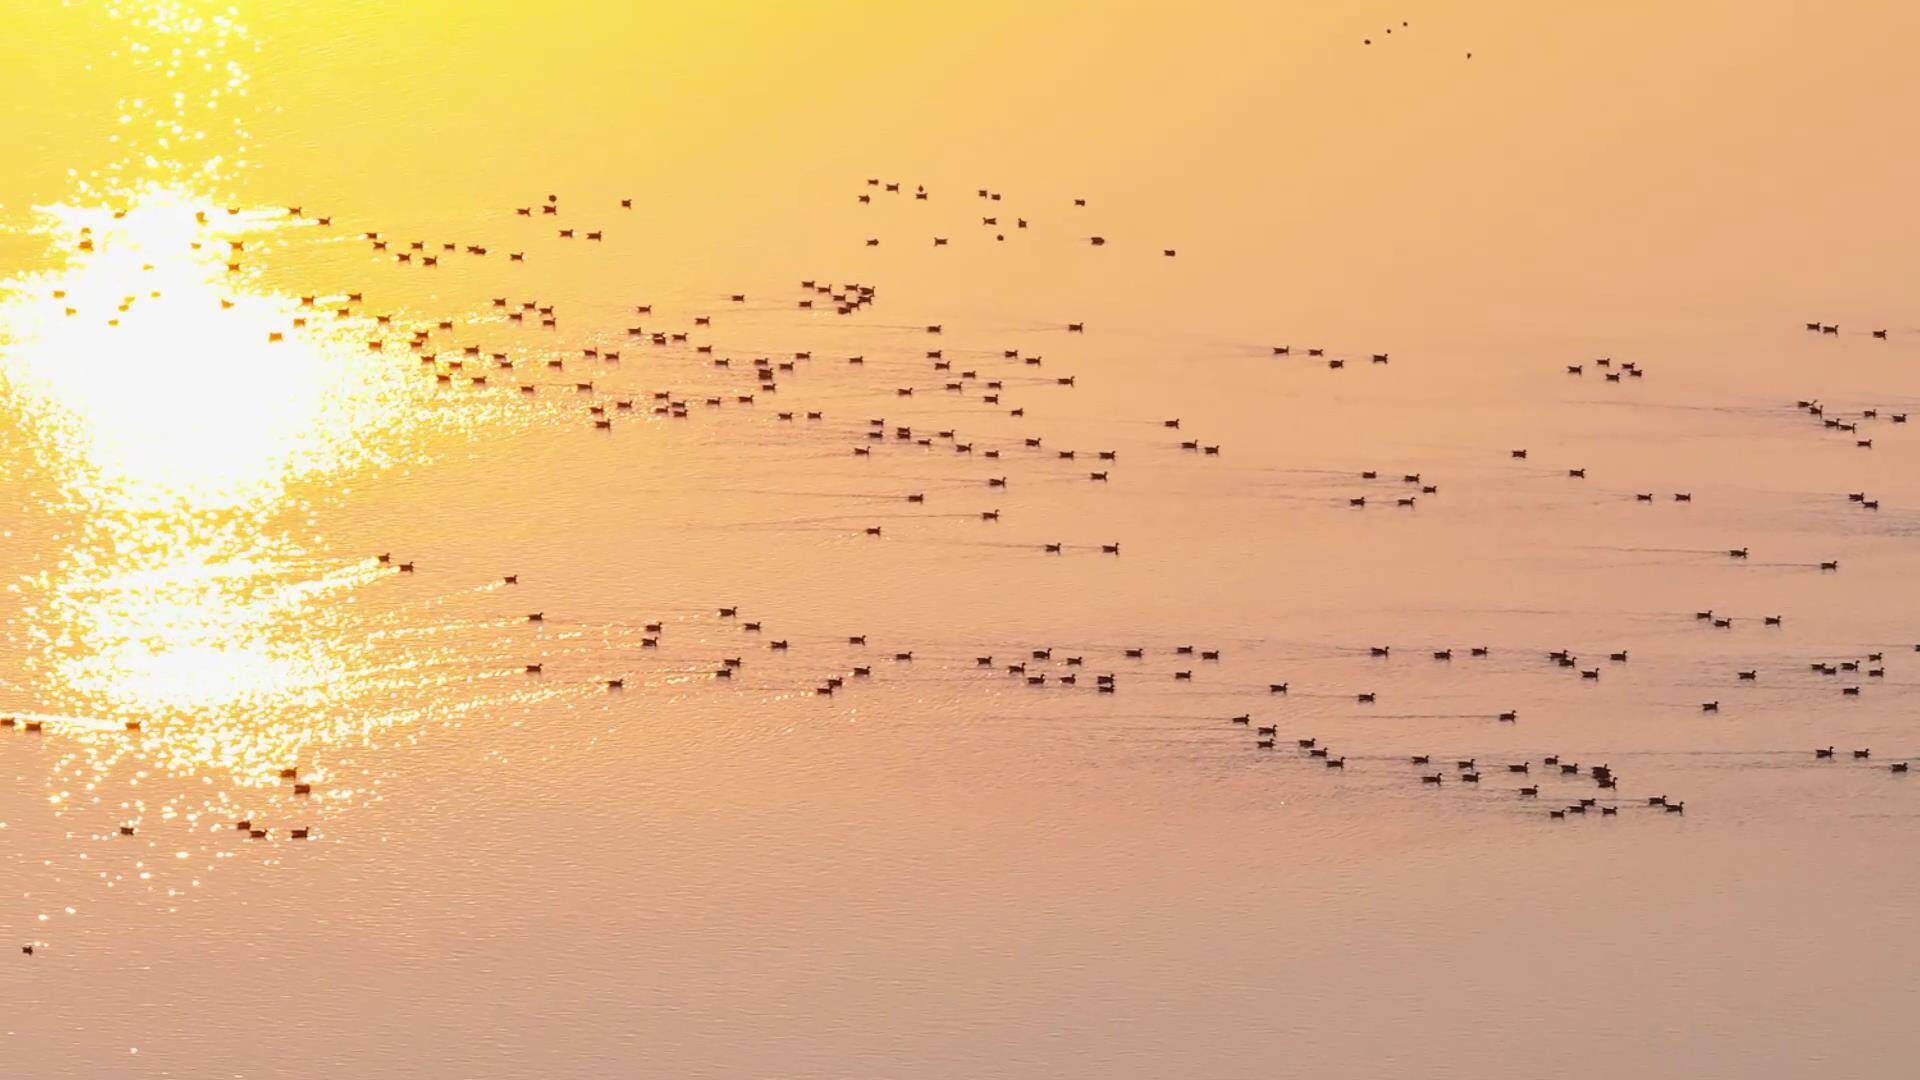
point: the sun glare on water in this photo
(181, 417)
(163, 379)
(176, 419)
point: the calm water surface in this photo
(940, 870)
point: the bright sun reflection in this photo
(182, 415)
(173, 425)
(169, 381)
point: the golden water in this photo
(940, 870)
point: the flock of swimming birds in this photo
(444, 350)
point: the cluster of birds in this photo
(432, 343)
(1812, 407)
(475, 349)
(1388, 32)
(1469, 771)
(1628, 369)
(990, 222)
(291, 775)
(1050, 666)
(1833, 330)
